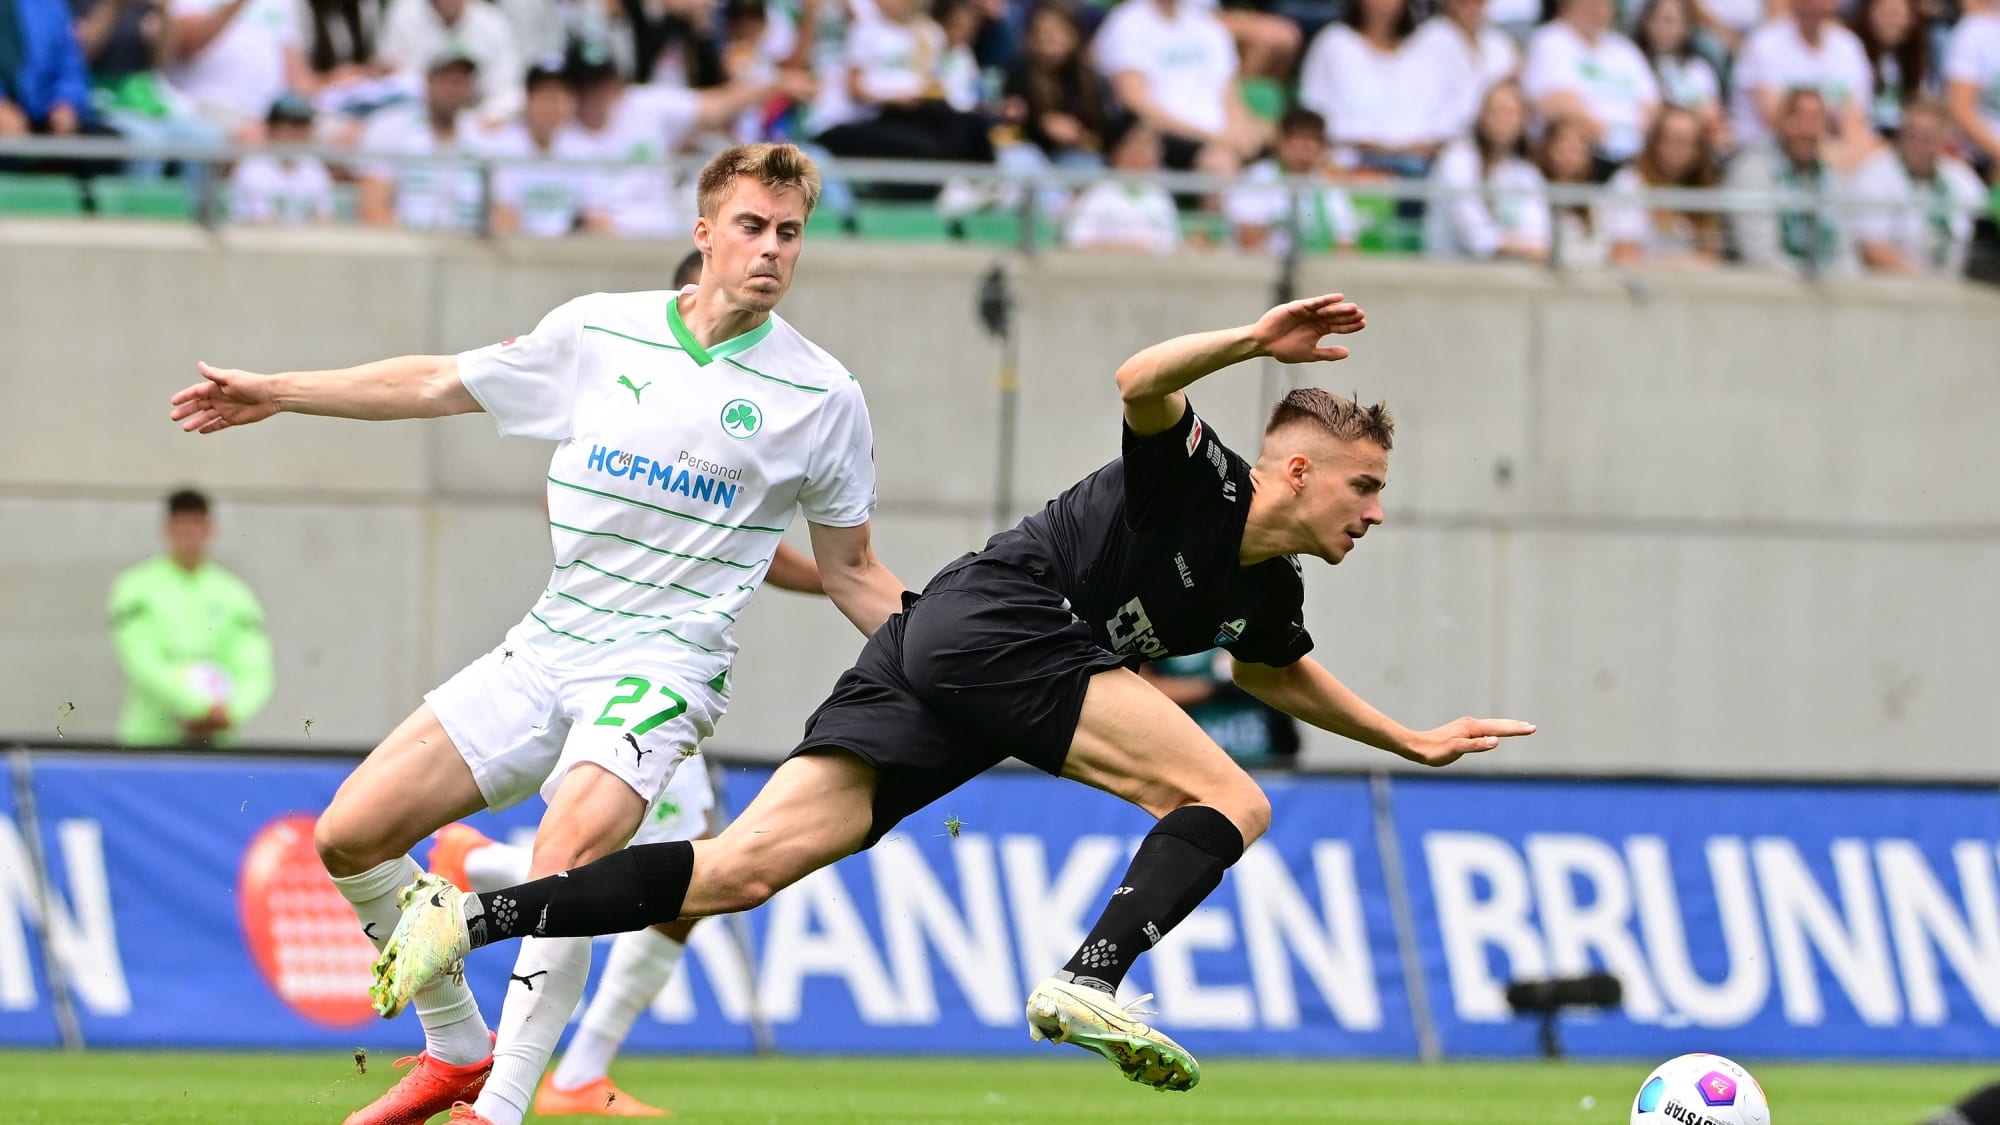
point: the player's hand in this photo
(222, 399)
(1291, 333)
(1454, 740)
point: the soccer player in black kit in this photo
(1025, 649)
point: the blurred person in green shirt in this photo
(1250, 732)
(190, 637)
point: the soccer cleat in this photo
(1073, 1013)
(454, 843)
(430, 941)
(464, 1114)
(592, 1099)
(430, 1089)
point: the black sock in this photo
(1982, 1108)
(1178, 864)
(630, 889)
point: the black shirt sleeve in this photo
(1278, 636)
(1180, 467)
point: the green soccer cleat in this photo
(430, 942)
(1073, 1013)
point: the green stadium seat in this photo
(1382, 230)
(901, 222)
(32, 194)
(120, 197)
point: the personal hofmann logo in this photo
(741, 418)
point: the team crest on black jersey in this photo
(1231, 632)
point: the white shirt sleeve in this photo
(529, 383)
(1344, 224)
(1621, 216)
(1964, 57)
(1876, 182)
(1473, 228)
(1551, 64)
(250, 191)
(319, 182)
(1260, 202)
(1119, 43)
(1318, 77)
(840, 471)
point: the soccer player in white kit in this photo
(665, 514)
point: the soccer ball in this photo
(1700, 1090)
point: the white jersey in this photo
(677, 472)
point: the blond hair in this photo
(778, 167)
(1342, 418)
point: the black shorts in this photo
(986, 664)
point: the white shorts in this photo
(521, 725)
(682, 811)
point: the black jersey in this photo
(1145, 549)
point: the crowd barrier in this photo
(179, 902)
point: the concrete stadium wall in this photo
(1723, 525)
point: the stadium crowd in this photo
(1894, 102)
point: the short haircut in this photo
(1342, 418)
(1796, 94)
(187, 502)
(548, 72)
(1921, 106)
(1299, 119)
(689, 271)
(779, 167)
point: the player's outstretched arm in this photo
(854, 578)
(1151, 382)
(1308, 692)
(410, 386)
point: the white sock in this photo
(547, 982)
(640, 963)
(497, 865)
(453, 1030)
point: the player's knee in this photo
(1245, 805)
(343, 849)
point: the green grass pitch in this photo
(106, 1088)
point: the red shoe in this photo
(430, 1089)
(592, 1099)
(464, 1114)
(454, 843)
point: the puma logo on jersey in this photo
(529, 980)
(626, 382)
(638, 752)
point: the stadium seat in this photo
(31, 194)
(1382, 230)
(901, 222)
(1265, 97)
(121, 197)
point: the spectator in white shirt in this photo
(414, 31)
(1665, 35)
(284, 190)
(1509, 218)
(1127, 215)
(236, 57)
(646, 127)
(442, 193)
(1579, 67)
(1677, 155)
(1173, 64)
(900, 109)
(1576, 239)
(1377, 95)
(1261, 211)
(1464, 56)
(1789, 239)
(1939, 197)
(537, 189)
(1898, 48)
(1807, 49)
(1972, 82)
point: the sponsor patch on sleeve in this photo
(1194, 436)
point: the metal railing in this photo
(1025, 192)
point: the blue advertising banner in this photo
(191, 900)
(1771, 920)
(27, 1016)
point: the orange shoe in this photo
(430, 1089)
(594, 1099)
(464, 1114)
(454, 843)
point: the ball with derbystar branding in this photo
(1700, 1090)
